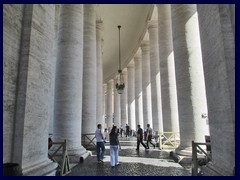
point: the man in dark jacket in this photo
(140, 138)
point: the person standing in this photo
(114, 147)
(100, 143)
(140, 138)
(149, 136)
(127, 130)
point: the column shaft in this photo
(100, 94)
(123, 101)
(138, 89)
(117, 110)
(131, 97)
(218, 50)
(109, 106)
(89, 70)
(189, 77)
(68, 85)
(167, 70)
(34, 93)
(155, 77)
(146, 85)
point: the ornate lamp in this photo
(120, 81)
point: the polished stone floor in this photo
(151, 162)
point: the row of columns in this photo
(75, 107)
(177, 78)
(173, 79)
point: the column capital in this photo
(152, 24)
(130, 65)
(145, 45)
(99, 25)
(137, 57)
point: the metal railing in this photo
(168, 140)
(196, 148)
(64, 166)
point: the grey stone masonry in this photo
(12, 14)
(146, 84)
(189, 77)
(167, 70)
(68, 88)
(109, 105)
(138, 89)
(131, 97)
(218, 49)
(89, 70)
(100, 94)
(34, 92)
(117, 107)
(155, 77)
(123, 100)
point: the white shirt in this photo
(99, 135)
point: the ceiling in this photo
(133, 18)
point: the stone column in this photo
(104, 125)
(146, 84)
(155, 77)
(109, 105)
(100, 93)
(218, 51)
(131, 96)
(89, 70)
(123, 101)
(33, 92)
(138, 89)
(117, 110)
(189, 77)
(68, 86)
(167, 70)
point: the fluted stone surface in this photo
(99, 108)
(218, 49)
(138, 89)
(189, 77)
(146, 85)
(89, 70)
(155, 77)
(68, 89)
(109, 105)
(34, 93)
(123, 101)
(167, 70)
(131, 97)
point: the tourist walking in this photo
(140, 138)
(100, 143)
(149, 136)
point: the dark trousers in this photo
(149, 140)
(140, 141)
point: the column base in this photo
(78, 155)
(184, 151)
(46, 168)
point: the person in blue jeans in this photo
(100, 143)
(114, 147)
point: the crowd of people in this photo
(115, 146)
